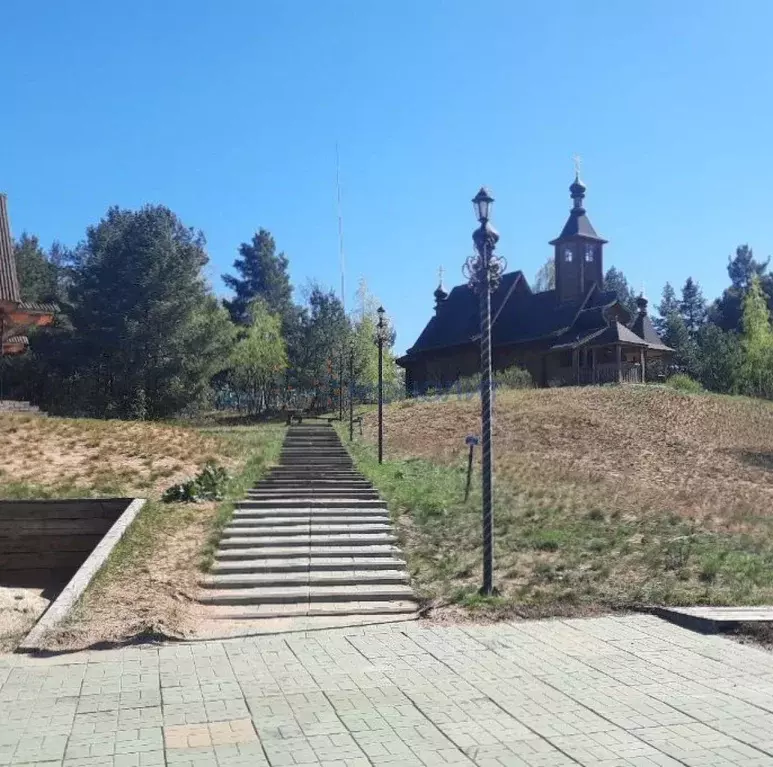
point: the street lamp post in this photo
(483, 272)
(382, 334)
(351, 392)
(341, 388)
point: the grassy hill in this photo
(55, 457)
(149, 583)
(604, 496)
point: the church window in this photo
(568, 255)
(589, 253)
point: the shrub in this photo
(510, 378)
(682, 382)
(208, 485)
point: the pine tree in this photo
(686, 355)
(262, 274)
(727, 310)
(720, 357)
(37, 275)
(756, 343)
(615, 280)
(692, 307)
(668, 305)
(148, 332)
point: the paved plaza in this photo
(604, 691)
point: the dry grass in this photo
(64, 457)
(148, 585)
(609, 495)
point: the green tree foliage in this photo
(669, 304)
(145, 333)
(262, 273)
(686, 354)
(727, 310)
(321, 349)
(692, 307)
(615, 280)
(258, 361)
(720, 358)
(366, 352)
(546, 277)
(37, 274)
(756, 375)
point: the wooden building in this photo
(16, 316)
(577, 333)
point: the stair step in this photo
(342, 492)
(303, 503)
(396, 608)
(300, 484)
(307, 565)
(315, 552)
(252, 528)
(305, 541)
(321, 519)
(300, 594)
(306, 513)
(287, 579)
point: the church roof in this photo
(616, 333)
(9, 281)
(518, 315)
(578, 225)
(644, 328)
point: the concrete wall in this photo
(45, 541)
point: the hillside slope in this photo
(604, 495)
(77, 456)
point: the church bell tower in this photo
(579, 251)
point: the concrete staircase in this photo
(312, 540)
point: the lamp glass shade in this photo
(482, 204)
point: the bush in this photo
(208, 485)
(514, 378)
(682, 382)
(510, 378)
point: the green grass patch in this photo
(554, 553)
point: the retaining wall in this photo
(42, 542)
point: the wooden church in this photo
(578, 333)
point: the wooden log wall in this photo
(44, 542)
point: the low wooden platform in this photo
(711, 620)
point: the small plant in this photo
(208, 485)
(682, 382)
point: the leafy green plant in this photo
(684, 383)
(208, 485)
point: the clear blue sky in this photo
(229, 113)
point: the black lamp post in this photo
(341, 388)
(483, 272)
(351, 391)
(382, 335)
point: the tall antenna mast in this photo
(340, 231)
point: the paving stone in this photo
(604, 691)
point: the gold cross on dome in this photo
(577, 164)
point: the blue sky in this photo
(229, 113)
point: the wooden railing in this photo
(601, 374)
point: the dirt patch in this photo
(44, 457)
(606, 498)
(150, 593)
(149, 586)
(19, 611)
(701, 456)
